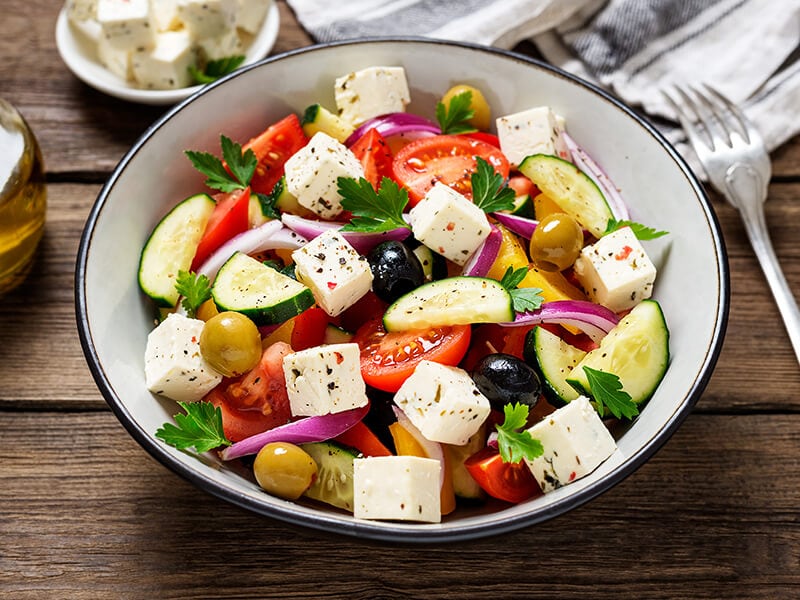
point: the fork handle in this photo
(752, 214)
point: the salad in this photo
(395, 316)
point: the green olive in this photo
(284, 470)
(482, 119)
(231, 343)
(556, 242)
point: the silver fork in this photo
(738, 166)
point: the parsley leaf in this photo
(489, 191)
(453, 117)
(216, 69)
(373, 211)
(195, 290)
(242, 166)
(200, 427)
(267, 202)
(523, 299)
(515, 445)
(606, 389)
(642, 232)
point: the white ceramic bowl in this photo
(114, 317)
(80, 56)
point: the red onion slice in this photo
(363, 242)
(483, 258)
(595, 172)
(522, 226)
(593, 319)
(304, 431)
(432, 449)
(253, 240)
(393, 124)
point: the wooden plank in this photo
(85, 513)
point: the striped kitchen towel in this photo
(747, 49)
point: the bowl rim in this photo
(389, 531)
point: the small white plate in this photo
(80, 56)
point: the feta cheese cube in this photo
(115, 60)
(251, 14)
(575, 442)
(173, 365)
(221, 46)
(81, 10)
(324, 380)
(337, 275)
(533, 131)
(126, 24)
(403, 488)
(443, 403)
(371, 92)
(207, 18)
(166, 66)
(449, 224)
(312, 173)
(164, 14)
(615, 271)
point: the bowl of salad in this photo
(402, 289)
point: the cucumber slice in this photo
(336, 335)
(636, 351)
(286, 202)
(571, 189)
(453, 301)
(434, 265)
(171, 248)
(318, 118)
(334, 482)
(523, 206)
(553, 359)
(268, 297)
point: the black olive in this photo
(395, 270)
(505, 379)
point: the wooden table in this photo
(86, 513)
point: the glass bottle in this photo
(23, 197)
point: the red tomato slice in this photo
(388, 359)
(369, 307)
(228, 219)
(522, 186)
(256, 401)
(309, 328)
(482, 136)
(449, 159)
(272, 148)
(512, 482)
(360, 437)
(374, 155)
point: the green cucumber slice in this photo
(268, 297)
(636, 351)
(571, 189)
(434, 266)
(453, 301)
(334, 482)
(171, 248)
(336, 335)
(317, 118)
(553, 359)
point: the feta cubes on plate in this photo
(615, 271)
(443, 403)
(126, 24)
(324, 380)
(165, 67)
(173, 365)
(208, 18)
(575, 442)
(403, 488)
(371, 92)
(533, 131)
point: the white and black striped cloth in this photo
(748, 49)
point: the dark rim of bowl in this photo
(392, 531)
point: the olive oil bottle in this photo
(23, 197)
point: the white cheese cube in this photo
(115, 60)
(126, 24)
(173, 365)
(337, 275)
(251, 14)
(533, 131)
(324, 380)
(312, 173)
(575, 442)
(207, 18)
(615, 271)
(81, 10)
(164, 14)
(221, 46)
(403, 488)
(443, 403)
(449, 224)
(165, 67)
(371, 92)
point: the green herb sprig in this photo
(454, 118)
(200, 427)
(373, 211)
(606, 390)
(489, 191)
(215, 69)
(642, 232)
(234, 174)
(515, 445)
(194, 288)
(524, 299)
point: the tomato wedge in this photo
(309, 328)
(360, 437)
(374, 155)
(512, 482)
(228, 219)
(449, 159)
(273, 148)
(388, 359)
